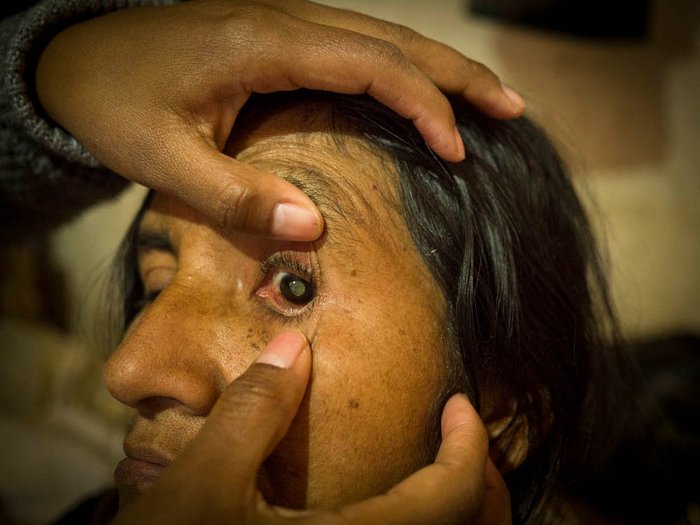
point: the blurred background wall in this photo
(626, 114)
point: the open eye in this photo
(293, 288)
(288, 287)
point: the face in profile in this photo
(361, 294)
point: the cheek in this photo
(238, 345)
(375, 381)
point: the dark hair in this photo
(505, 237)
(507, 240)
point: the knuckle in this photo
(256, 391)
(400, 35)
(389, 52)
(477, 69)
(253, 16)
(248, 24)
(237, 202)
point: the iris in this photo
(295, 289)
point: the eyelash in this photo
(280, 261)
(148, 298)
(287, 263)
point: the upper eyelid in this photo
(144, 273)
(289, 260)
(153, 240)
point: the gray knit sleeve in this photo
(46, 176)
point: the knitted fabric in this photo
(46, 176)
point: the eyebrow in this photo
(343, 205)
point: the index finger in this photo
(446, 67)
(496, 508)
(451, 490)
(354, 63)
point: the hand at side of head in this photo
(462, 486)
(153, 93)
(214, 480)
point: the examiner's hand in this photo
(214, 480)
(153, 93)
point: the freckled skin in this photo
(375, 328)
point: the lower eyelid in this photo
(280, 307)
(294, 315)
(157, 278)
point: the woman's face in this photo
(362, 296)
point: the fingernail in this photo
(283, 351)
(294, 222)
(516, 101)
(459, 144)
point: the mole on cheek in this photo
(353, 403)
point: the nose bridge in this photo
(173, 351)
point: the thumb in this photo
(248, 421)
(235, 195)
(255, 411)
(450, 490)
(496, 509)
(250, 418)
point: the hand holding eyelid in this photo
(180, 74)
(252, 417)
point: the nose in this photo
(170, 356)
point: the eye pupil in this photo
(296, 290)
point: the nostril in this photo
(164, 358)
(151, 379)
(150, 407)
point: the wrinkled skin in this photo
(375, 326)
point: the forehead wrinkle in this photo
(354, 185)
(343, 205)
(346, 178)
(327, 194)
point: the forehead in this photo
(353, 184)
